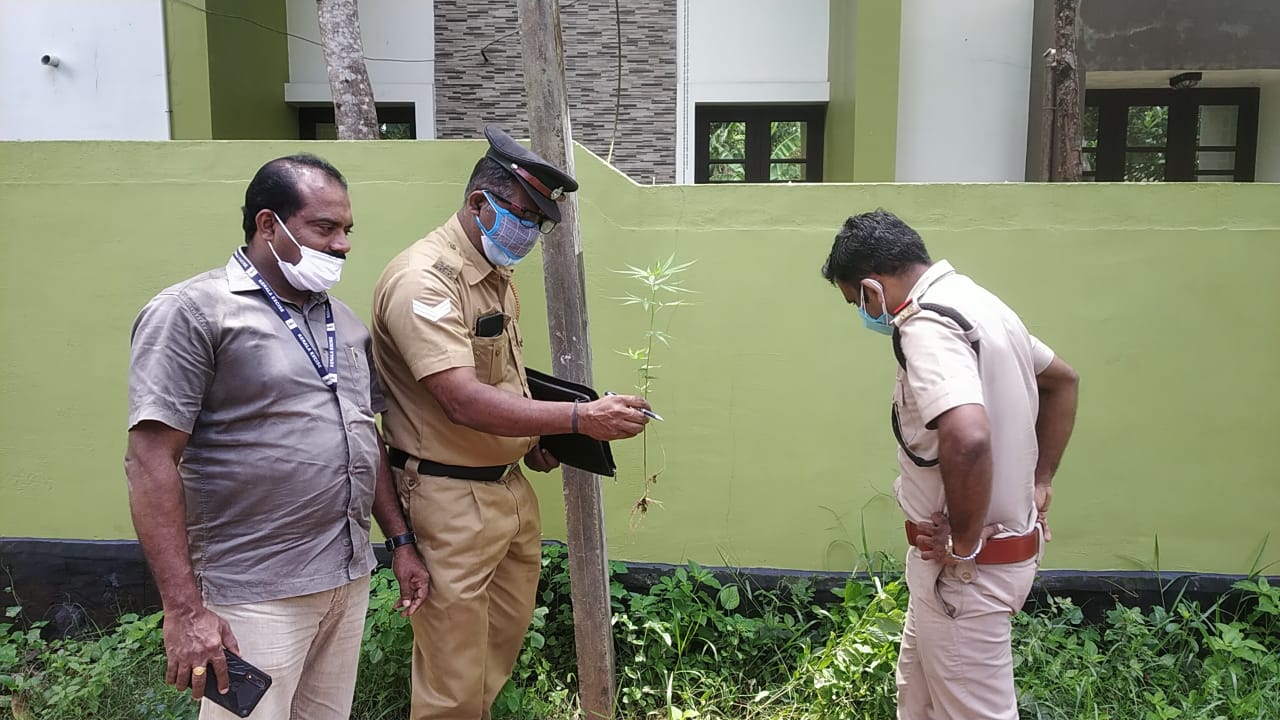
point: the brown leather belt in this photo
(492, 473)
(995, 551)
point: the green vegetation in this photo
(694, 646)
(1146, 140)
(728, 143)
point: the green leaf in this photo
(729, 597)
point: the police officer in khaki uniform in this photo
(448, 347)
(982, 412)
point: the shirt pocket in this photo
(491, 358)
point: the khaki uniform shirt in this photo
(279, 469)
(944, 372)
(425, 307)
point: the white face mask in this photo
(315, 272)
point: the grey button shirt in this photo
(279, 470)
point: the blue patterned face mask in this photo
(510, 239)
(875, 324)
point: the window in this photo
(395, 122)
(758, 143)
(1204, 135)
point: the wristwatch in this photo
(406, 539)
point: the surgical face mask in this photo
(315, 272)
(875, 324)
(509, 240)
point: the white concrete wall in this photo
(110, 83)
(1268, 168)
(747, 51)
(394, 29)
(963, 90)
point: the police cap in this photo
(544, 182)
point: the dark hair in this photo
(875, 242)
(275, 187)
(488, 174)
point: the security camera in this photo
(50, 60)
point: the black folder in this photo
(573, 449)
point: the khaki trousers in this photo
(482, 542)
(309, 645)
(956, 662)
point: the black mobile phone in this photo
(246, 685)
(490, 325)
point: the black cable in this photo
(500, 38)
(289, 34)
(495, 41)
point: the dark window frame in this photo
(310, 117)
(758, 118)
(1180, 137)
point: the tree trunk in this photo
(1064, 77)
(552, 138)
(354, 111)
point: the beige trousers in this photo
(482, 542)
(309, 645)
(956, 662)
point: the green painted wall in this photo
(248, 68)
(877, 41)
(777, 440)
(838, 163)
(187, 51)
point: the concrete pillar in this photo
(963, 90)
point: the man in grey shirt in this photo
(254, 460)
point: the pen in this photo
(649, 413)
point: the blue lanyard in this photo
(329, 373)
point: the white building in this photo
(711, 90)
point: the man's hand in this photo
(613, 417)
(1059, 396)
(540, 460)
(932, 541)
(1044, 496)
(194, 639)
(412, 577)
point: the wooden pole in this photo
(551, 136)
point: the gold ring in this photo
(197, 671)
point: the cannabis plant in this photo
(660, 289)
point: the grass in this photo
(694, 646)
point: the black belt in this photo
(492, 473)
